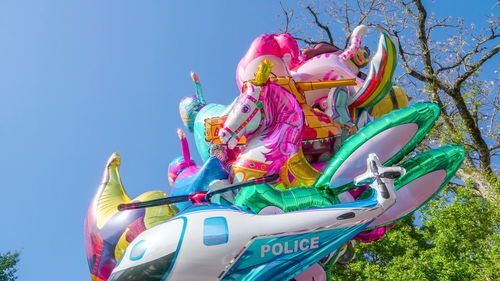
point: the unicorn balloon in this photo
(272, 120)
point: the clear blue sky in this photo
(82, 79)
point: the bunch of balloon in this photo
(305, 161)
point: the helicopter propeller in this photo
(376, 171)
(198, 197)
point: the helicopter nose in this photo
(154, 270)
(152, 254)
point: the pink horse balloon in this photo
(272, 120)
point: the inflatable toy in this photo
(294, 171)
(395, 99)
(108, 232)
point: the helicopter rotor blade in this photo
(153, 203)
(266, 179)
(196, 197)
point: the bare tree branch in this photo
(473, 130)
(309, 42)
(406, 65)
(346, 16)
(474, 51)
(287, 17)
(493, 148)
(364, 15)
(422, 37)
(324, 27)
(473, 68)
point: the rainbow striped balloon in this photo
(379, 79)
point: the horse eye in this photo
(245, 109)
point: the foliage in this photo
(8, 264)
(458, 239)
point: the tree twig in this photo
(287, 16)
(474, 67)
(320, 25)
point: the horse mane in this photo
(283, 122)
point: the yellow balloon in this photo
(395, 99)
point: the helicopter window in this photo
(215, 231)
(150, 271)
(138, 251)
